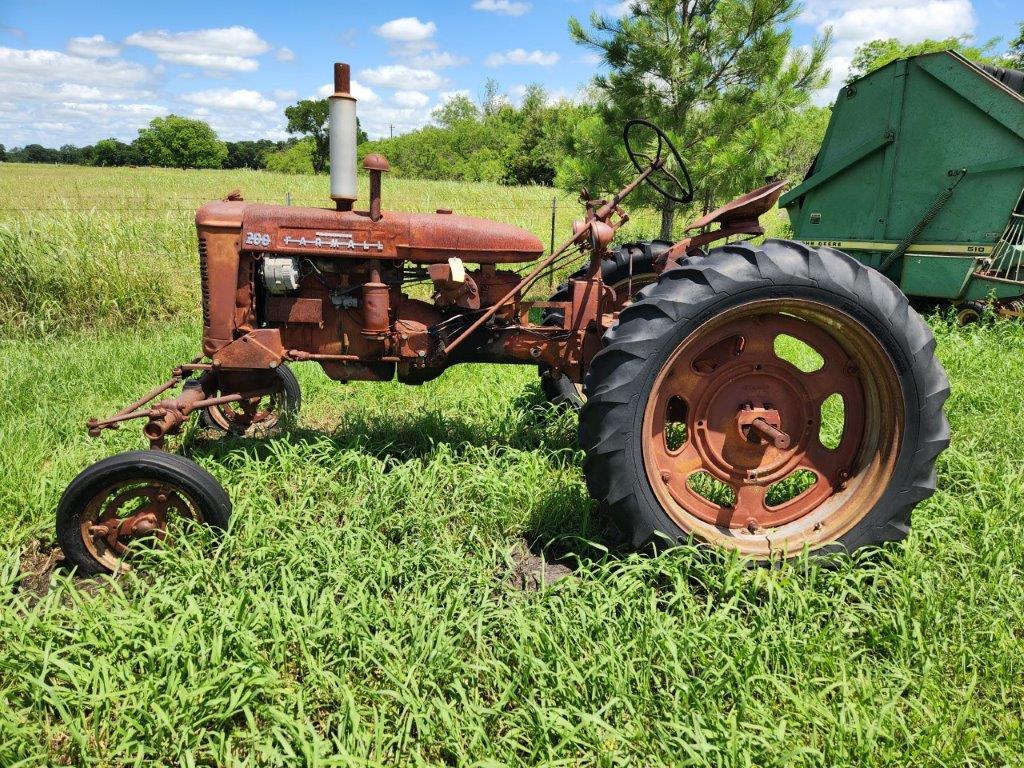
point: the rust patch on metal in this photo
(284, 309)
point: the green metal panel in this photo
(936, 276)
(926, 153)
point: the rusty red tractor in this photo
(691, 419)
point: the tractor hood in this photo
(416, 237)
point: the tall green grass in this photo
(101, 246)
(362, 609)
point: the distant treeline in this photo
(491, 141)
(112, 152)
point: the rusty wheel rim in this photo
(132, 513)
(255, 416)
(726, 412)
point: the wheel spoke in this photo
(823, 462)
(832, 379)
(750, 499)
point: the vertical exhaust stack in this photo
(343, 140)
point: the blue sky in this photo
(74, 72)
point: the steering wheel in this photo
(683, 193)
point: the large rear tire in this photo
(698, 425)
(630, 268)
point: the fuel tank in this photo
(425, 238)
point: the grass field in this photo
(366, 607)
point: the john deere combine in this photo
(920, 176)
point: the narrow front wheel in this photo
(131, 500)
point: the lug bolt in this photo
(752, 525)
(853, 370)
(665, 476)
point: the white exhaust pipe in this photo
(343, 140)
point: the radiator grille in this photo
(204, 281)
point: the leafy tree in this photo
(248, 154)
(114, 153)
(294, 158)
(456, 111)
(720, 76)
(72, 155)
(179, 142)
(35, 153)
(800, 141)
(361, 135)
(310, 117)
(3, 153)
(877, 53)
(1016, 55)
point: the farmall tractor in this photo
(682, 384)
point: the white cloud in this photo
(240, 100)
(445, 96)
(590, 59)
(120, 111)
(94, 47)
(519, 56)
(285, 94)
(408, 29)
(363, 94)
(234, 47)
(40, 66)
(379, 120)
(617, 9)
(410, 99)
(401, 77)
(505, 7)
(854, 22)
(285, 53)
(438, 60)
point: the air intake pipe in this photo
(342, 106)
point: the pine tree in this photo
(1016, 54)
(719, 76)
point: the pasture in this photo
(377, 600)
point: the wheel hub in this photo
(752, 422)
(127, 513)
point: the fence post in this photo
(551, 268)
(287, 198)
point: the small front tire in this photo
(126, 499)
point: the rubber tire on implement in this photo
(668, 312)
(184, 474)
(631, 259)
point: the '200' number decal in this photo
(257, 238)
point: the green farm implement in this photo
(920, 176)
